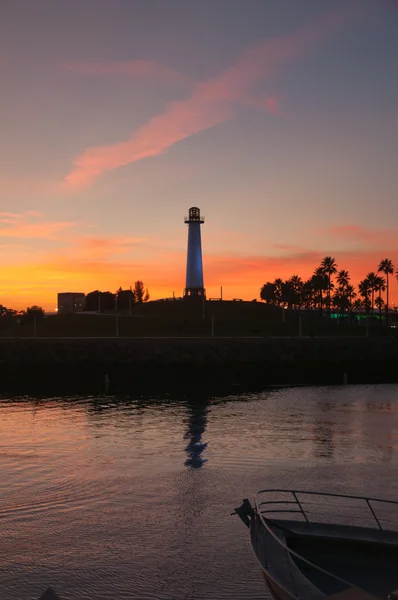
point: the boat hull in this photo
(276, 591)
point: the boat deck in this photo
(348, 552)
(332, 530)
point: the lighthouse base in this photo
(194, 293)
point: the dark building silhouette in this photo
(70, 302)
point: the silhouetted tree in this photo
(267, 293)
(341, 298)
(141, 293)
(92, 301)
(351, 293)
(329, 267)
(296, 285)
(8, 316)
(379, 302)
(357, 305)
(343, 278)
(287, 294)
(374, 285)
(125, 299)
(107, 301)
(295, 293)
(340, 301)
(99, 301)
(6, 313)
(278, 290)
(308, 294)
(365, 289)
(34, 312)
(386, 266)
(320, 283)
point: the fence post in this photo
(117, 317)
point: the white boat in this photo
(312, 545)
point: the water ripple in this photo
(119, 497)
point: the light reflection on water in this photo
(120, 498)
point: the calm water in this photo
(116, 498)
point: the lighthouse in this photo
(194, 280)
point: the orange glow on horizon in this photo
(239, 276)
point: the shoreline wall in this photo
(41, 366)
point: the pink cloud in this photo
(145, 69)
(14, 225)
(356, 233)
(210, 102)
(181, 120)
(10, 215)
(104, 247)
(272, 105)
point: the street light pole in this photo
(117, 317)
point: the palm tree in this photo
(329, 267)
(296, 284)
(343, 278)
(364, 289)
(386, 267)
(340, 301)
(341, 295)
(267, 293)
(320, 283)
(357, 304)
(379, 302)
(380, 286)
(308, 295)
(287, 294)
(278, 290)
(351, 293)
(373, 283)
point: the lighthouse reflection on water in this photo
(196, 425)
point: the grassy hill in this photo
(179, 318)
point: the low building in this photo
(69, 302)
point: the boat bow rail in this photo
(328, 508)
(279, 514)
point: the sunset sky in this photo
(278, 118)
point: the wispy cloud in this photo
(105, 247)
(211, 102)
(180, 121)
(368, 236)
(24, 226)
(273, 105)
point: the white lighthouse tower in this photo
(194, 281)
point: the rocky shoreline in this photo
(160, 364)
